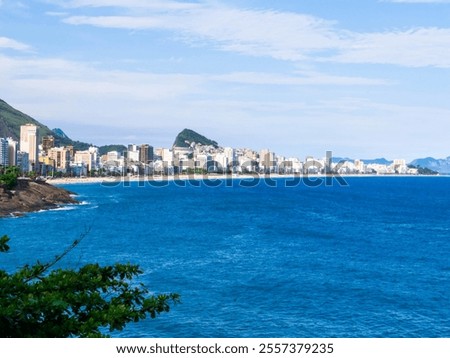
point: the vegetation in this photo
(8, 177)
(41, 301)
(187, 136)
(111, 148)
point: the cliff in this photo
(31, 196)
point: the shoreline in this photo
(199, 177)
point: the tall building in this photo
(4, 152)
(29, 140)
(267, 160)
(22, 162)
(146, 153)
(95, 157)
(61, 158)
(83, 158)
(48, 142)
(132, 154)
(12, 150)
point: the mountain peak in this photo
(188, 136)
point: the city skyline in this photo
(364, 79)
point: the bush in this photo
(9, 177)
(38, 301)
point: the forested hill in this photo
(188, 136)
(11, 119)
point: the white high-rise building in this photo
(29, 141)
(12, 149)
(230, 155)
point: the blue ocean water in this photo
(370, 259)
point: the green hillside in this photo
(187, 136)
(11, 119)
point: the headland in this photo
(31, 196)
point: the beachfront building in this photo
(247, 160)
(221, 160)
(112, 163)
(47, 166)
(399, 166)
(267, 161)
(312, 166)
(29, 140)
(202, 161)
(168, 161)
(12, 151)
(132, 154)
(48, 142)
(377, 168)
(87, 159)
(158, 154)
(4, 152)
(231, 159)
(346, 167)
(291, 166)
(61, 158)
(359, 166)
(22, 162)
(112, 156)
(146, 154)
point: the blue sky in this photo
(366, 78)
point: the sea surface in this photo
(265, 259)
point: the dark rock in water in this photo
(31, 196)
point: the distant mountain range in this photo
(11, 119)
(441, 166)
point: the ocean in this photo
(265, 259)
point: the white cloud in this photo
(300, 79)
(419, 1)
(413, 48)
(129, 4)
(286, 36)
(281, 35)
(64, 90)
(56, 13)
(6, 42)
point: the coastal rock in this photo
(31, 196)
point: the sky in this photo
(362, 78)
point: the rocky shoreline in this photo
(31, 196)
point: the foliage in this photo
(8, 177)
(40, 301)
(111, 148)
(4, 247)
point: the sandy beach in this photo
(199, 177)
(135, 178)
